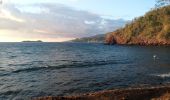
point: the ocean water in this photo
(29, 70)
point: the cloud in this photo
(89, 22)
(53, 22)
(4, 14)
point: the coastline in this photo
(161, 92)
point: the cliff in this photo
(151, 29)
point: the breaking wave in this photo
(165, 75)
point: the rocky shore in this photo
(115, 38)
(146, 93)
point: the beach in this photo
(148, 93)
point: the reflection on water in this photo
(55, 69)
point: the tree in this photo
(161, 3)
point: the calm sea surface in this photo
(56, 69)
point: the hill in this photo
(112, 25)
(93, 39)
(151, 29)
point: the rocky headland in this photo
(151, 29)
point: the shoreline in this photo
(161, 92)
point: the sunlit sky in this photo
(61, 20)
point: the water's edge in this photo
(161, 92)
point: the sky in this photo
(62, 20)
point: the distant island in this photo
(32, 41)
(151, 29)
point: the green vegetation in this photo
(153, 28)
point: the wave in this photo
(10, 92)
(72, 64)
(163, 75)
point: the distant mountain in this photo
(111, 26)
(151, 29)
(93, 39)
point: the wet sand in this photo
(145, 93)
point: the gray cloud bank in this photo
(54, 21)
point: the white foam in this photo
(164, 75)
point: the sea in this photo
(30, 70)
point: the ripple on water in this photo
(69, 65)
(68, 68)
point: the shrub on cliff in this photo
(152, 28)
